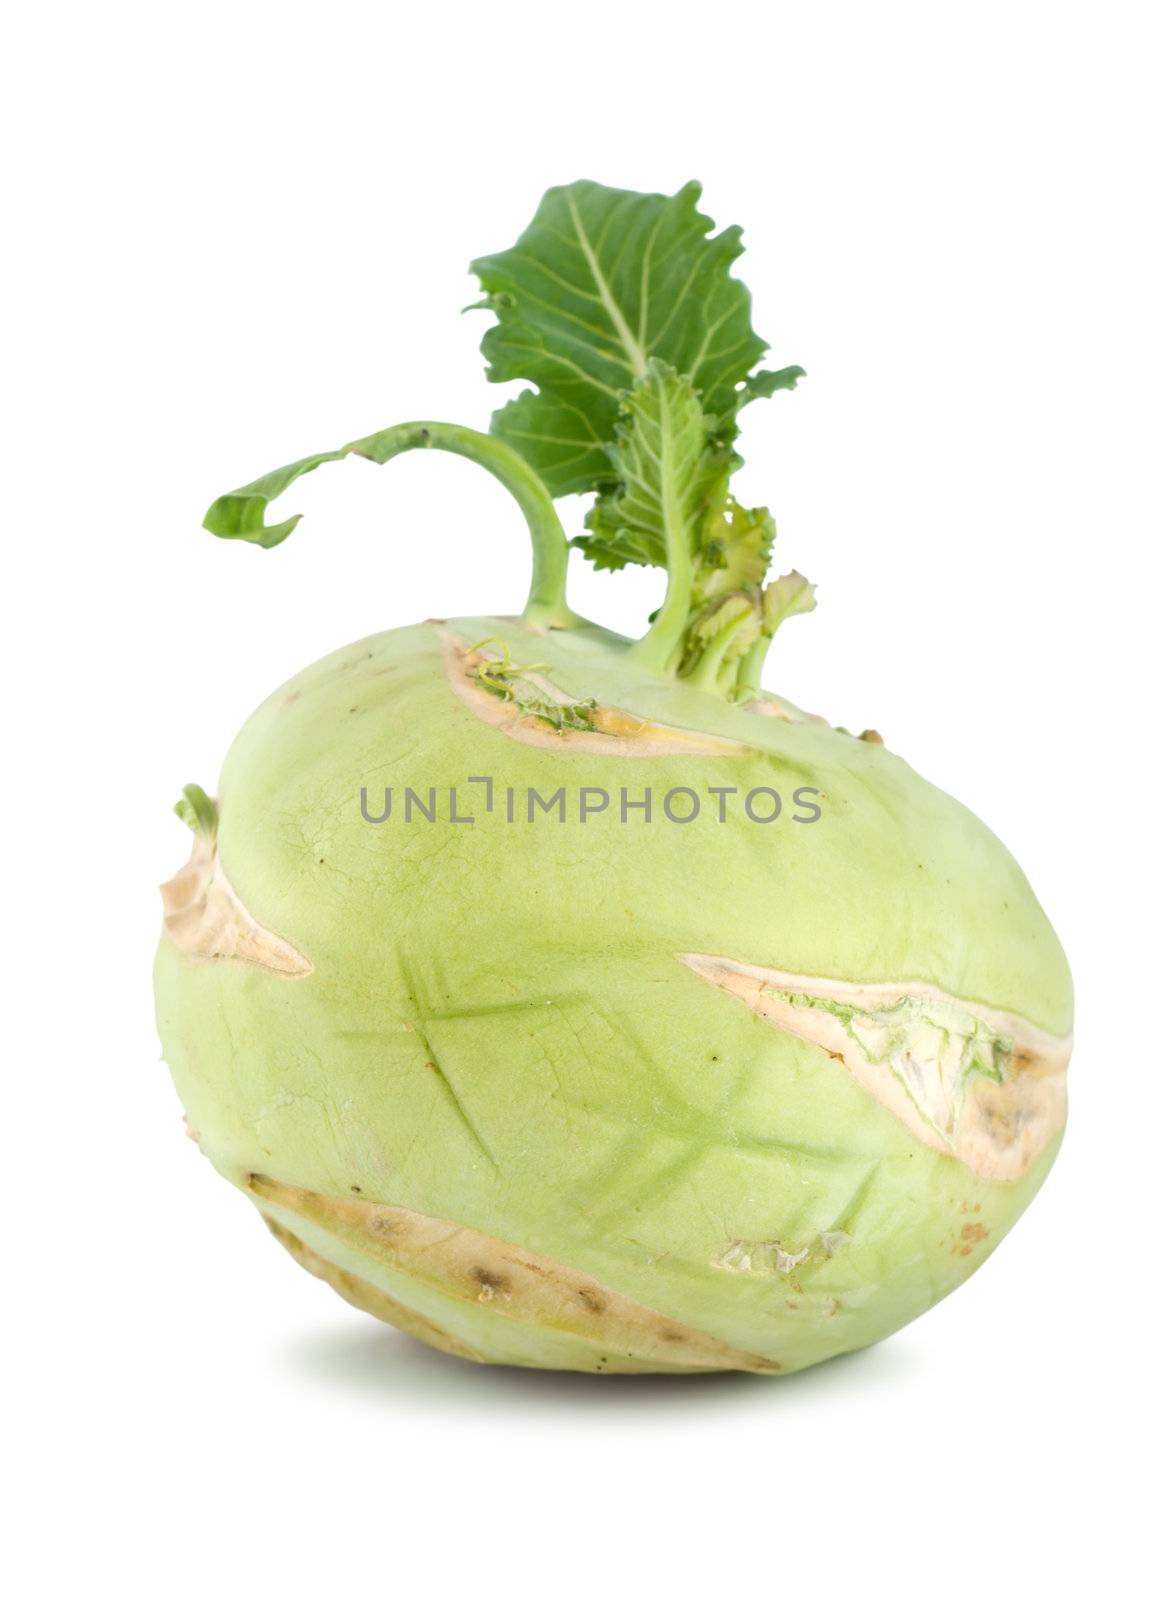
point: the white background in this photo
(241, 235)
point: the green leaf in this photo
(761, 385)
(241, 514)
(719, 636)
(734, 621)
(602, 283)
(788, 596)
(671, 474)
(736, 551)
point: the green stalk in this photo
(751, 664)
(658, 650)
(241, 514)
(660, 646)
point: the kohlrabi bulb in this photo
(574, 1003)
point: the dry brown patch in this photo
(204, 917)
(504, 1278)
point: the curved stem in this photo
(241, 514)
(546, 605)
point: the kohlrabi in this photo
(575, 1002)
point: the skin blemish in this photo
(205, 919)
(981, 1085)
(492, 1283)
(367, 1297)
(612, 732)
(502, 1279)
